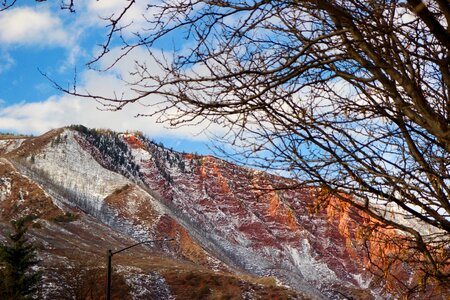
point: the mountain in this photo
(238, 233)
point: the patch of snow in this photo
(393, 212)
(249, 294)
(140, 155)
(69, 165)
(9, 145)
(305, 262)
(21, 199)
(5, 188)
(361, 281)
(278, 282)
(148, 286)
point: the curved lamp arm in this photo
(140, 243)
(109, 255)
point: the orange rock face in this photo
(133, 141)
(245, 210)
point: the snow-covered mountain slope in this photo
(79, 209)
(225, 218)
(74, 178)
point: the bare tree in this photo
(65, 4)
(351, 96)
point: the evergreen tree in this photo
(17, 257)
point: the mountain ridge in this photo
(224, 217)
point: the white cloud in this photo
(104, 8)
(28, 26)
(63, 110)
(133, 19)
(6, 61)
(55, 112)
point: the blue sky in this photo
(39, 36)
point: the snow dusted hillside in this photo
(61, 167)
(224, 217)
(219, 204)
(66, 166)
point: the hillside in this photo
(237, 234)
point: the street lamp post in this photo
(109, 255)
